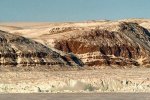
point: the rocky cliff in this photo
(127, 45)
(17, 50)
(123, 43)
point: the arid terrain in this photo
(90, 56)
(122, 43)
(85, 81)
(76, 96)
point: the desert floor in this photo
(85, 81)
(77, 96)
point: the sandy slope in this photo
(40, 31)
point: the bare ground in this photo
(105, 80)
(77, 96)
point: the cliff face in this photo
(123, 43)
(128, 45)
(17, 50)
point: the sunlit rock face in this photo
(121, 43)
(127, 44)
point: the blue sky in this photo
(72, 10)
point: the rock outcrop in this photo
(128, 45)
(124, 43)
(17, 50)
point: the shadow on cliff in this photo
(71, 59)
(146, 32)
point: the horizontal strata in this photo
(127, 44)
(17, 50)
(99, 43)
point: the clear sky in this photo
(72, 10)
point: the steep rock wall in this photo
(129, 45)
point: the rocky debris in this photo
(106, 80)
(17, 50)
(62, 29)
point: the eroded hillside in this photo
(19, 51)
(122, 43)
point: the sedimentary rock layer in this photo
(17, 50)
(93, 43)
(128, 45)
